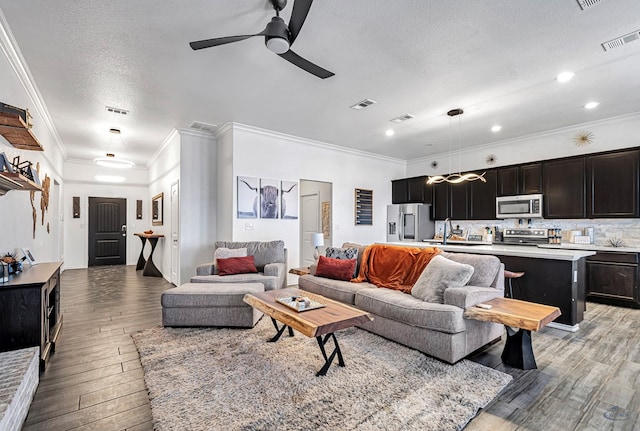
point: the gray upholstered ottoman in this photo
(210, 304)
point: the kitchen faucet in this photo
(444, 233)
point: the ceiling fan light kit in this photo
(278, 37)
(459, 177)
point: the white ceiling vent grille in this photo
(205, 127)
(363, 104)
(118, 111)
(622, 40)
(402, 118)
(586, 4)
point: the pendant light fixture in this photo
(459, 177)
(110, 160)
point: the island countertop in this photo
(532, 251)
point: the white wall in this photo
(611, 134)
(265, 154)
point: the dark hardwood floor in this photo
(94, 379)
(589, 380)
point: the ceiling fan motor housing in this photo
(277, 36)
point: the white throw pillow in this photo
(439, 275)
(223, 253)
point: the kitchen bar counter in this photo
(553, 276)
(591, 247)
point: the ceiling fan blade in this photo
(208, 43)
(294, 58)
(298, 16)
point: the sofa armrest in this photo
(206, 269)
(467, 296)
(278, 270)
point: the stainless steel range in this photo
(525, 236)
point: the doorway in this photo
(107, 231)
(315, 216)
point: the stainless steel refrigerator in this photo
(409, 222)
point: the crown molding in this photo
(309, 142)
(170, 137)
(9, 46)
(197, 133)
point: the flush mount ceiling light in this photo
(389, 132)
(459, 177)
(565, 76)
(496, 128)
(110, 160)
(591, 105)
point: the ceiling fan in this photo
(277, 36)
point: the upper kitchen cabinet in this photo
(519, 180)
(482, 197)
(564, 188)
(411, 190)
(612, 181)
(451, 200)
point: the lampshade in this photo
(317, 239)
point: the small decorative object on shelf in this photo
(13, 265)
(148, 232)
(583, 139)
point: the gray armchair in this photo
(270, 259)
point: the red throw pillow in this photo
(236, 265)
(338, 269)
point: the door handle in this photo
(123, 229)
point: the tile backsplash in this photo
(626, 230)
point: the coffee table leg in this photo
(280, 330)
(329, 359)
(518, 352)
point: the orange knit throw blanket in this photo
(392, 266)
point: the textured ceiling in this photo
(496, 59)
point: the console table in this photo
(30, 310)
(147, 265)
(520, 318)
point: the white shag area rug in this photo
(233, 379)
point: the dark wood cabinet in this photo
(459, 201)
(520, 180)
(564, 188)
(612, 277)
(440, 208)
(30, 312)
(482, 197)
(612, 181)
(411, 190)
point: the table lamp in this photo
(318, 241)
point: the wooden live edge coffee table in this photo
(321, 323)
(520, 318)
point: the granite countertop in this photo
(556, 253)
(594, 247)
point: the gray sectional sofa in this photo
(439, 330)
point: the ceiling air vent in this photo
(113, 110)
(402, 118)
(586, 4)
(622, 40)
(205, 127)
(363, 104)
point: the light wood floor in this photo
(94, 379)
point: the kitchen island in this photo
(553, 276)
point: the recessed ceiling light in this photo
(389, 132)
(110, 178)
(496, 128)
(591, 105)
(565, 76)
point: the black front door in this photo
(107, 231)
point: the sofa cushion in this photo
(236, 265)
(264, 252)
(338, 269)
(342, 291)
(401, 307)
(485, 267)
(440, 274)
(269, 282)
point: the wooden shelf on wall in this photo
(17, 133)
(15, 181)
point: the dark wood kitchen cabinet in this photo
(564, 188)
(520, 180)
(440, 208)
(482, 197)
(411, 190)
(612, 278)
(30, 310)
(450, 200)
(612, 181)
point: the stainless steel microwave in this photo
(522, 206)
